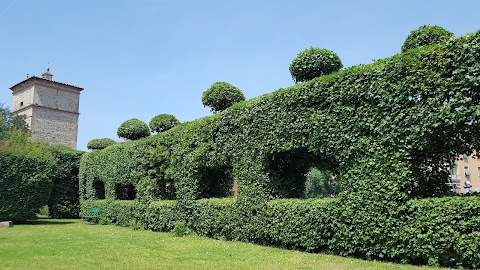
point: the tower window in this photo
(21, 104)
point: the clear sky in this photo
(141, 58)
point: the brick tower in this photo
(51, 108)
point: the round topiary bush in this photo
(314, 62)
(100, 143)
(221, 95)
(163, 122)
(426, 35)
(133, 129)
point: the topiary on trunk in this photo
(163, 122)
(133, 129)
(426, 35)
(314, 62)
(221, 95)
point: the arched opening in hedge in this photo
(216, 182)
(98, 190)
(288, 171)
(125, 192)
(170, 192)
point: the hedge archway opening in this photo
(288, 171)
(125, 192)
(98, 190)
(216, 182)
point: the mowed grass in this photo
(72, 244)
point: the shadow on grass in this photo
(44, 221)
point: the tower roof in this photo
(35, 78)
(47, 75)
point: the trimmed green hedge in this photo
(133, 129)
(214, 218)
(26, 183)
(101, 143)
(221, 95)
(64, 201)
(441, 231)
(302, 224)
(35, 174)
(426, 35)
(162, 122)
(161, 166)
(387, 130)
(154, 215)
(118, 163)
(435, 231)
(314, 62)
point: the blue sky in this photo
(138, 59)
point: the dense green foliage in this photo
(36, 174)
(25, 179)
(314, 62)
(163, 122)
(320, 184)
(4, 117)
(3, 127)
(441, 231)
(154, 215)
(64, 201)
(96, 144)
(156, 166)
(18, 122)
(387, 131)
(133, 129)
(426, 35)
(221, 95)
(9, 121)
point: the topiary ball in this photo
(163, 122)
(314, 62)
(102, 143)
(426, 35)
(221, 95)
(133, 129)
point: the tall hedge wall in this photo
(33, 175)
(387, 130)
(25, 183)
(64, 201)
(177, 163)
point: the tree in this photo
(221, 95)
(320, 184)
(314, 62)
(3, 127)
(4, 115)
(100, 143)
(10, 122)
(163, 122)
(426, 35)
(133, 129)
(18, 122)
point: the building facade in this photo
(52, 109)
(467, 168)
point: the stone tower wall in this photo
(51, 109)
(56, 98)
(25, 95)
(54, 126)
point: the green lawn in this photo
(71, 244)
